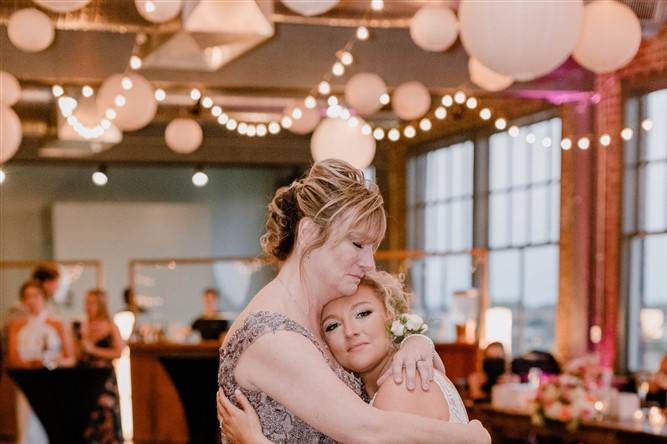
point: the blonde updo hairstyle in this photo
(390, 290)
(331, 193)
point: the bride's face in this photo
(354, 329)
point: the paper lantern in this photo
(310, 8)
(158, 11)
(434, 28)
(139, 106)
(30, 30)
(363, 91)
(308, 120)
(10, 89)
(10, 133)
(62, 6)
(486, 79)
(520, 39)
(183, 135)
(337, 139)
(610, 37)
(411, 100)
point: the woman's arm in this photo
(309, 389)
(240, 425)
(397, 398)
(68, 358)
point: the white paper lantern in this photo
(158, 11)
(521, 39)
(140, 104)
(363, 91)
(337, 139)
(10, 89)
(183, 135)
(434, 28)
(486, 79)
(30, 30)
(411, 100)
(610, 37)
(62, 6)
(10, 133)
(310, 8)
(308, 120)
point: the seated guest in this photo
(658, 385)
(210, 324)
(35, 339)
(99, 343)
(47, 277)
(494, 371)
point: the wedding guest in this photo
(49, 276)
(494, 371)
(323, 231)
(210, 325)
(99, 343)
(36, 339)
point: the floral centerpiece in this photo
(563, 398)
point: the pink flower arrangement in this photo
(563, 398)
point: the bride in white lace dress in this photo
(356, 331)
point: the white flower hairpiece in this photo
(404, 325)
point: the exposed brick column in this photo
(608, 210)
(576, 226)
(396, 181)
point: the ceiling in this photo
(98, 40)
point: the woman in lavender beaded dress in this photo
(323, 230)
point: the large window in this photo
(440, 208)
(523, 228)
(521, 222)
(645, 230)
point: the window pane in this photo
(519, 216)
(520, 158)
(458, 274)
(539, 168)
(654, 310)
(539, 212)
(459, 173)
(656, 138)
(499, 220)
(554, 213)
(504, 277)
(461, 217)
(655, 203)
(499, 146)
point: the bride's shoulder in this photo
(396, 397)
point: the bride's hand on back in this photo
(240, 425)
(416, 353)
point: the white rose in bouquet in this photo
(397, 328)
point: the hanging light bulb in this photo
(501, 123)
(324, 87)
(566, 144)
(297, 113)
(338, 69)
(471, 103)
(160, 94)
(647, 124)
(385, 99)
(126, 83)
(286, 122)
(440, 113)
(394, 134)
(100, 177)
(362, 33)
(531, 138)
(346, 58)
(513, 131)
(605, 140)
(627, 133)
(274, 127)
(207, 102)
(199, 178)
(231, 124)
(195, 94)
(447, 100)
(87, 91)
(546, 142)
(57, 90)
(485, 113)
(460, 97)
(409, 131)
(378, 133)
(377, 5)
(425, 124)
(310, 102)
(135, 62)
(584, 143)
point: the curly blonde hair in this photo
(390, 290)
(332, 193)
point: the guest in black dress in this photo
(99, 344)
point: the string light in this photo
(531, 138)
(119, 100)
(135, 62)
(242, 128)
(447, 100)
(297, 113)
(471, 103)
(310, 102)
(501, 123)
(409, 131)
(274, 127)
(566, 144)
(546, 142)
(324, 87)
(627, 134)
(286, 122)
(160, 94)
(261, 130)
(199, 178)
(87, 91)
(126, 83)
(605, 140)
(377, 5)
(207, 102)
(353, 122)
(362, 33)
(440, 113)
(57, 90)
(216, 111)
(223, 119)
(252, 131)
(394, 134)
(425, 124)
(346, 58)
(385, 99)
(100, 177)
(195, 94)
(345, 114)
(110, 113)
(338, 69)
(647, 125)
(378, 134)
(366, 130)
(584, 143)
(231, 124)
(460, 97)
(485, 114)
(332, 101)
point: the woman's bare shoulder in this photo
(397, 397)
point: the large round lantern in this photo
(158, 11)
(62, 6)
(30, 30)
(310, 8)
(339, 139)
(363, 92)
(411, 100)
(10, 133)
(486, 79)
(434, 28)
(610, 37)
(520, 39)
(304, 120)
(183, 135)
(10, 89)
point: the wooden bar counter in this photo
(158, 413)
